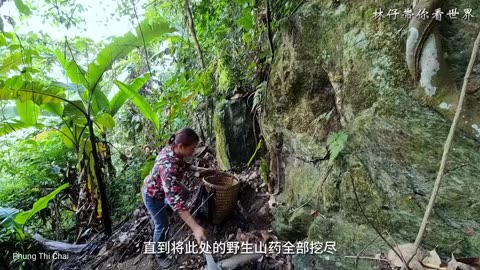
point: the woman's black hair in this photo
(185, 136)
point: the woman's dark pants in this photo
(158, 211)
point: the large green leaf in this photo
(75, 73)
(71, 87)
(142, 105)
(12, 61)
(28, 111)
(71, 136)
(55, 108)
(39, 93)
(105, 120)
(3, 41)
(74, 110)
(7, 215)
(121, 46)
(7, 220)
(119, 99)
(10, 126)
(22, 8)
(22, 217)
(100, 102)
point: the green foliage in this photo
(22, 7)
(148, 166)
(129, 91)
(336, 142)
(27, 167)
(13, 219)
(105, 120)
(22, 217)
(28, 111)
(142, 105)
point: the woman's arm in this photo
(197, 230)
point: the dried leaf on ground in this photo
(407, 251)
(453, 264)
(432, 259)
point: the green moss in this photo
(320, 228)
(220, 141)
(291, 224)
(302, 186)
(349, 238)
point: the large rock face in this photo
(336, 69)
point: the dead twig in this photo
(446, 148)
(367, 258)
(371, 223)
(363, 249)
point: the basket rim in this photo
(220, 187)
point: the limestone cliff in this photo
(337, 69)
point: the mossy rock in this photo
(291, 225)
(235, 138)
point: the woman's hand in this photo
(198, 230)
(199, 234)
(203, 171)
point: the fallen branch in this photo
(446, 148)
(58, 246)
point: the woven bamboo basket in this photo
(226, 187)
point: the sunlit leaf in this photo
(140, 102)
(22, 8)
(246, 22)
(99, 102)
(28, 111)
(10, 126)
(121, 46)
(105, 120)
(119, 99)
(39, 93)
(55, 108)
(45, 134)
(75, 73)
(11, 62)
